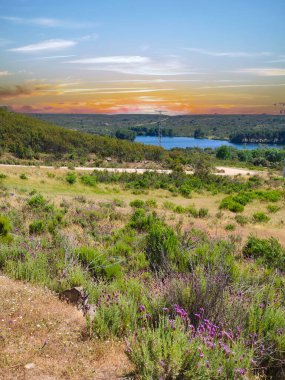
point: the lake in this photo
(190, 142)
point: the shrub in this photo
(230, 227)
(37, 227)
(269, 251)
(242, 220)
(180, 209)
(185, 190)
(269, 195)
(37, 201)
(203, 212)
(169, 205)
(151, 203)
(116, 315)
(191, 209)
(266, 327)
(23, 176)
(2, 176)
(71, 178)
(230, 204)
(243, 198)
(163, 248)
(142, 221)
(260, 217)
(76, 277)
(5, 228)
(137, 203)
(273, 208)
(235, 207)
(97, 263)
(175, 350)
(88, 180)
(236, 203)
(118, 202)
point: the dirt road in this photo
(221, 170)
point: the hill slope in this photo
(26, 137)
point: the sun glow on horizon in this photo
(98, 64)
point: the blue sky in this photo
(137, 56)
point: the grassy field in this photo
(186, 274)
(52, 184)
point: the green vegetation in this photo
(88, 180)
(267, 251)
(242, 220)
(188, 305)
(71, 178)
(28, 138)
(23, 176)
(5, 228)
(236, 203)
(35, 141)
(268, 157)
(260, 217)
(252, 128)
(177, 280)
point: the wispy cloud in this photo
(55, 57)
(118, 90)
(47, 22)
(89, 37)
(4, 73)
(122, 59)
(30, 88)
(263, 71)
(135, 65)
(230, 54)
(13, 91)
(242, 86)
(54, 44)
(146, 70)
(167, 80)
(150, 99)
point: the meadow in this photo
(186, 271)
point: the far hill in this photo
(26, 137)
(237, 128)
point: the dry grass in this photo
(56, 189)
(35, 327)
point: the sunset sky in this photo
(139, 56)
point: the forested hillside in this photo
(26, 137)
(238, 128)
(29, 138)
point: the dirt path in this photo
(41, 339)
(221, 170)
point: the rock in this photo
(76, 295)
(90, 311)
(30, 365)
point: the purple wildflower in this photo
(142, 308)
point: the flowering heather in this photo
(207, 351)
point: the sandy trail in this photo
(221, 170)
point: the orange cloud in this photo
(182, 98)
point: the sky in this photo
(141, 56)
